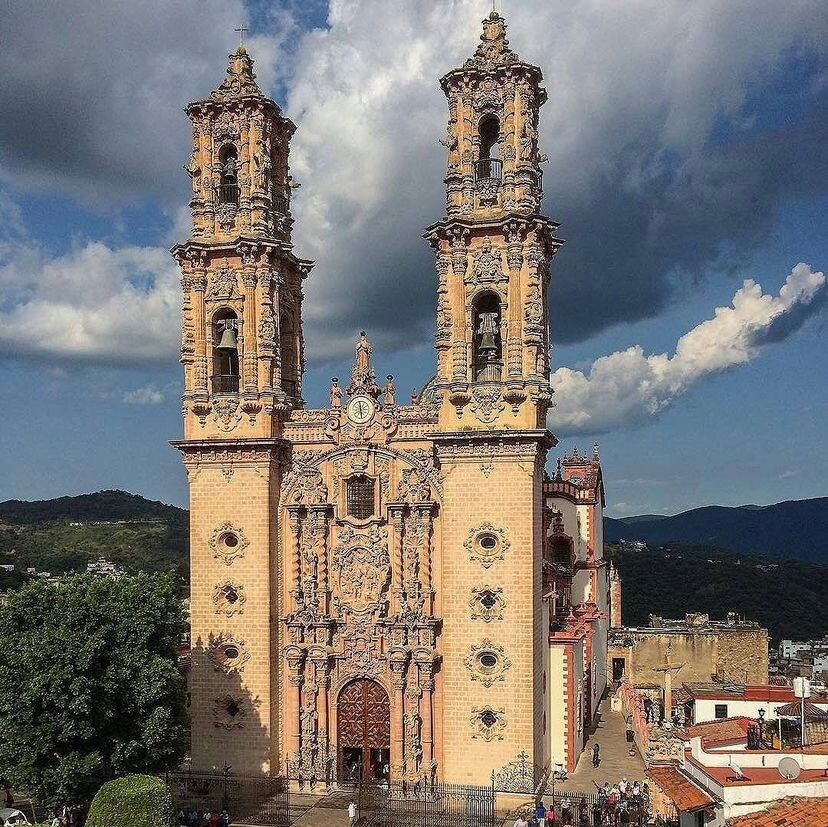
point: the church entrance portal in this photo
(363, 731)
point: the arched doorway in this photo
(363, 720)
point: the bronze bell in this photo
(487, 341)
(228, 340)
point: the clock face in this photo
(360, 410)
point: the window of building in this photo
(360, 497)
(720, 711)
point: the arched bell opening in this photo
(229, 175)
(488, 165)
(363, 732)
(487, 357)
(289, 355)
(225, 328)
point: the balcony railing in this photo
(228, 194)
(225, 383)
(488, 169)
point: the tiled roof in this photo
(790, 812)
(678, 787)
(752, 692)
(723, 731)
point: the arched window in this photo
(225, 352)
(288, 354)
(489, 165)
(487, 359)
(229, 175)
(359, 497)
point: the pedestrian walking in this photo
(596, 755)
(352, 813)
(540, 813)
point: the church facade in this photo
(383, 587)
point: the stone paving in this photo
(610, 734)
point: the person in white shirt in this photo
(352, 813)
(520, 821)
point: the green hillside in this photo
(62, 535)
(785, 596)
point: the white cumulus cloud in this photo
(147, 395)
(94, 304)
(626, 388)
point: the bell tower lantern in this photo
(493, 247)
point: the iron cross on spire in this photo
(241, 30)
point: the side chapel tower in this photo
(376, 586)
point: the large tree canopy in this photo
(89, 686)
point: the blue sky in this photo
(688, 152)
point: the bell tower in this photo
(242, 351)
(494, 248)
(493, 251)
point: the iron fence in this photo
(423, 804)
(257, 800)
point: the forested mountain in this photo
(796, 528)
(785, 596)
(64, 534)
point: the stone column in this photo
(397, 662)
(198, 280)
(426, 668)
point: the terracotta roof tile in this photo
(790, 812)
(725, 730)
(678, 787)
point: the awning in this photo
(794, 710)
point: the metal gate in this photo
(255, 800)
(421, 804)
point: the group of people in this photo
(617, 805)
(209, 818)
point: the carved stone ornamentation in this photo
(487, 723)
(229, 712)
(224, 285)
(487, 264)
(487, 662)
(229, 598)
(267, 329)
(228, 654)
(362, 566)
(228, 543)
(487, 403)
(310, 488)
(226, 216)
(226, 413)
(487, 603)
(486, 543)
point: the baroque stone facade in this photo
(369, 578)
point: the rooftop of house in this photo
(756, 776)
(765, 692)
(679, 788)
(721, 732)
(790, 812)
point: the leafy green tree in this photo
(134, 801)
(89, 685)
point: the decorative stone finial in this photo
(494, 47)
(240, 80)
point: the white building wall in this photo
(704, 709)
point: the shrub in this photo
(133, 801)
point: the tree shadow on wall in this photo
(229, 743)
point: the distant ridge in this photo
(102, 505)
(794, 528)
